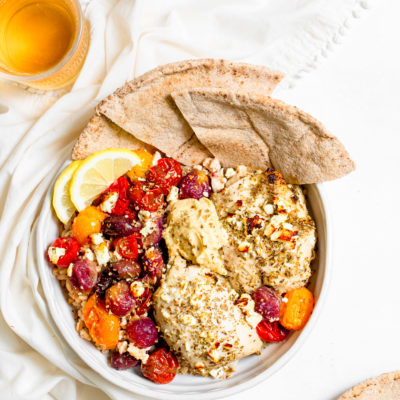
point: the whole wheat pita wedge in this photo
(100, 134)
(145, 109)
(295, 143)
(384, 387)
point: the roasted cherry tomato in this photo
(165, 174)
(143, 303)
(63, 251)
(271, 331)
(103, 327)
(87, 222)
(161, 366)
(128, 246)
(146, 196)
(121, 186)
(139, 170)
(296, 308)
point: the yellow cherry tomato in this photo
(296, 308)
(87, 222)
(139, 170)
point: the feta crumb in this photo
(212, 164)
(87, 253)
(109, 203)
(69, 270)
(143, 215)
(55, 253)
(148, 227)
(217, 373)
(268, 208)
(137, 288)
(139, 354)
(102, 253)
(157, 156)
(173, 194)
(229, 173)
(96, 238)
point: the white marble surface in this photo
(356, 92)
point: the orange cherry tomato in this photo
(87, 222)
(139, 170)
(296, 308)
(103, 327)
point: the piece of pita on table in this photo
(251, 129)
(144, 108)
(384, 387)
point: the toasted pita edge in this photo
(100, 134)
(156, 84)
(320, 158)
(244, 70)
(375, 386)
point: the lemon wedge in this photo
(61, 200)
(97, 172)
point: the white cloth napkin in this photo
(37, 132)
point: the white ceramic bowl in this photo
(251, 370)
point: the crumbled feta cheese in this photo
(217, 182)
(173, 194)
(139, 354)
(217, 372)
(244, 246)
(268, 208)
(148, 227)
(102, 253)
(246, 304)
(109, 202)
(55, 253)
(97, 238)
(215, 355)
(87, 253)
(288, 226)
(157, 156)
(229, 173)
(137, 288)
(69, 270)
(143, 215)
(212, 164)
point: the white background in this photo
(356, 92)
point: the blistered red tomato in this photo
(271, 331)
(121, 186)
(161, 366)
(63, 251)
(165, 174)
(128, 246)
(146, 196)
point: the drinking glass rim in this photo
(57, 67)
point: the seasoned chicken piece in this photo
(202, 320)
(271, 234)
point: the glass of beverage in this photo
(43, 43)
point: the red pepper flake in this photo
(239, 203)
(227, 345)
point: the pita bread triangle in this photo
(251, 129)
(384, 387)
(145, 109)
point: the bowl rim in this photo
(45, 276)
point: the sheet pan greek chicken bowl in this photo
(187, 241)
